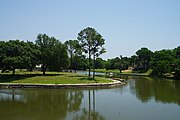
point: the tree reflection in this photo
(162, 90)
(90, 113)
(86, 116)
(45, 104)
(39, 104)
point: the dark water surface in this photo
(140, 99)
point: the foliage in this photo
(32, 51)
(91, 42)
(99, 63)
(17, 54)
(51, 50)
(2, 54)
(59, 58)
(161, 62)
(121, 63)
(144, 56)
(46, 46)
(74, 50)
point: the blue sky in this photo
(126, 25)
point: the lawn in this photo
(50, 78)
(125, 72)
(104, 70)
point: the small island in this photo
(54, 80)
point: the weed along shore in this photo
(55, 80)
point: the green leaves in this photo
(92, 44)
(17, 54)
(74, 50)
(91, 41)
(52, 53)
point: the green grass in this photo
(125, 72)
(104, 70)
(138, 74)
(50, 78)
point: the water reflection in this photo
(39, 104)
(45, 104)
(141, 98)
(90, 113)
(86, 73)
(162, 90)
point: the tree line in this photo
(52, 54)
(82, 54)
(162, 62)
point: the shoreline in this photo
(56, 86)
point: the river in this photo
(140, 99)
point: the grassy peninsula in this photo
(50, 78)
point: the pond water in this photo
(87, 72)
(140, 99)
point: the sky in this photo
(126, 25)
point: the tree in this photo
(177, 61)
(162, 61)
(81, 62)
(2, 55)
(162, 67)
(74, 50)
(14, 55)
(85, 38)
(120, 63)
(46, 45)
(144, 55)
(32, 55)
(177, 51)
(59, 57)
(99, 63)
(133, 60)
(97, 49)
(18, 54)
(108, 64)
(91, 42)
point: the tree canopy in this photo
(51, 50)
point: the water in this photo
(87, 72)
(139, 99)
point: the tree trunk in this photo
(13, 71)
(31, 69)
(94, 102)
(3, 70)
(89, 105)
(94, 67)
(89, 64)
(44, 72)
(71, 63)
(75, 64)
(120, 70)
(44, 69)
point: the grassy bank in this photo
(125, 72)
(104, 70)
(50, 78)
(137, 74)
